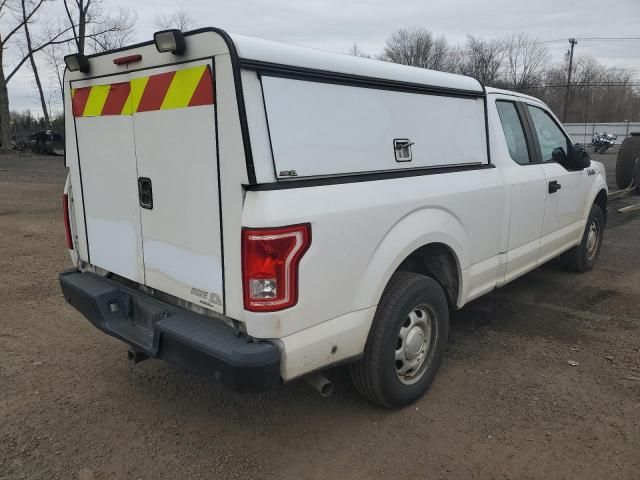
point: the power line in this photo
(587, 39)
(573, 85)
(547, 42)
(590, 39)
(594, 69)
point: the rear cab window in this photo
(513, 131)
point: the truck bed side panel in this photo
(322, 129)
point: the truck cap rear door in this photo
(149, 169)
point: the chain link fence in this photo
(583, 132)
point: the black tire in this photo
(629, 151)
(375, 375)
(582, 257)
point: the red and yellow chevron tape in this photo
(188, 87)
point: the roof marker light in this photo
(127, 59)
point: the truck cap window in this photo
(513, 132)
(549, 134)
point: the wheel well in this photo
(437, 261)
(601, 201)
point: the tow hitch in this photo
(135, 356)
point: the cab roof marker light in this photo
(127, 59)
(170, 41)
(76, 62)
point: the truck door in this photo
(566, 189)
(106, 150)
(525, 181)
(175, 141)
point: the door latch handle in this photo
(145, 193)
(554, 186)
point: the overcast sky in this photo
(336, 24)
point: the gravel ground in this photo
(506, 404)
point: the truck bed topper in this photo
(267, 54)
(290, 61)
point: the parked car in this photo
(255, 212)
(47, 141)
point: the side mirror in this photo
(576, 159)
(579, 158)
(559, 155)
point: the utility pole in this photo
(586, 112)
(573, 42)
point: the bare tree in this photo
(483, 60)
(7, 8)
(28, 6)
(54, 56)
(599, 93)
(20, 18)
(417, 47)
(180, 19)
(356, 51)
(454, 60)
(525, 61)
(88, 22)
(106, 31)
(113, 31)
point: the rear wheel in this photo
(627, 155)
(406, 344)
(584, 256)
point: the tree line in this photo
(29, 31)
(518, 62)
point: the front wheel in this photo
(406, 343)
(583, 257)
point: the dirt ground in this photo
(506, 404)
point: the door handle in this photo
(554, 186)
(145, 193)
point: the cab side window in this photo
(549, 135)
(513, 131)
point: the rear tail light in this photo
(270, 258)
(67, 224)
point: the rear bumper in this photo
(183, 339)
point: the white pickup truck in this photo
(255, 212)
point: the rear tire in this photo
(629, 151)
(584, 256)
(406, 343)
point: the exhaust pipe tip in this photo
(320, 383)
